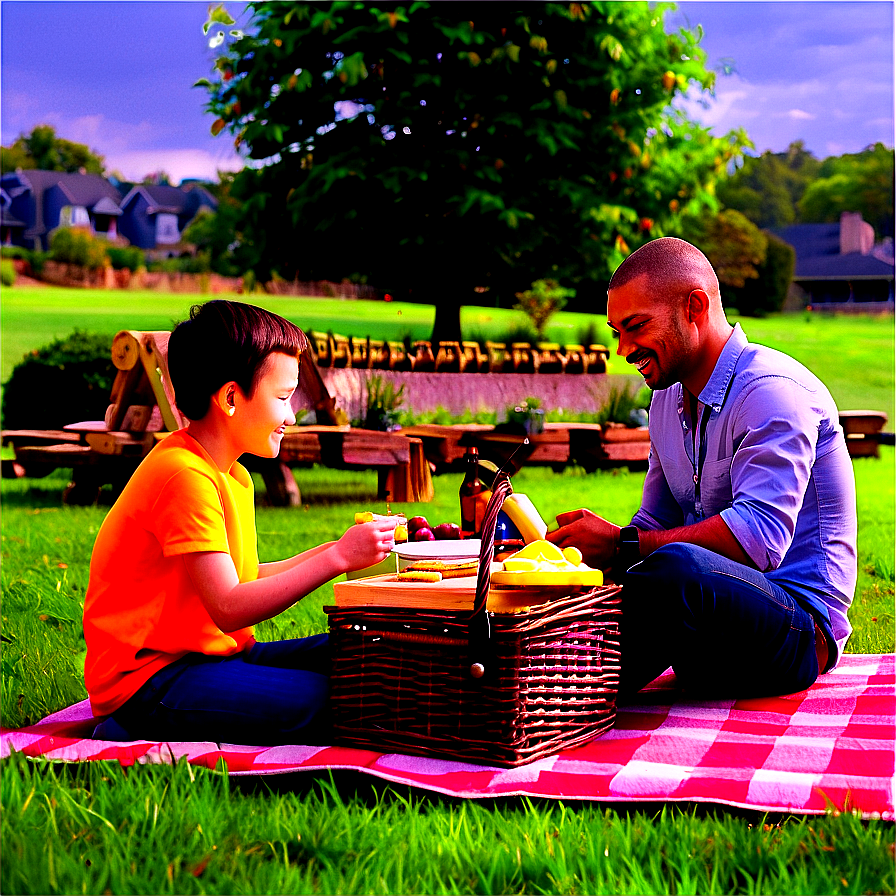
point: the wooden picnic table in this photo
(590, 445)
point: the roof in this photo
(159, 198)
(818, 256)
(80, 189)
(8, 220)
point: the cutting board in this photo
(449, 594)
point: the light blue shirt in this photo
(770, 457)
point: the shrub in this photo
(67, 381)
(7, 272)
(541, 302)
(126, 258)
(74, 245)
(768, 291)
(15, 252)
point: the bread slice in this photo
(418, 576)
(445, 568)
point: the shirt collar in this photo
(716, 389)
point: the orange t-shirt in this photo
(141, 611)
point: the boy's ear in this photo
(225, 397)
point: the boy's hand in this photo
(366, 544)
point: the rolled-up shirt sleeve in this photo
(776, 433)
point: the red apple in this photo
(424, 533)
(446, 531)
(417, 522)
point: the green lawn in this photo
(98, 828)
(852, 355)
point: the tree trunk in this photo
(447, 298)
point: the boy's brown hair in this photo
(223, 341)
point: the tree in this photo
(767, 292)
(859, 182)
(734, 246)
(767, 189)
(436, 148)
(43, 150)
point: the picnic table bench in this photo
(142, 411)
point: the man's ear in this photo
(697, 305)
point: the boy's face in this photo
(264, 416)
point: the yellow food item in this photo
(543, 563)
(367, 516)
(520, 564)
(401, 533)
(447, 569)
(532, 530)
(418, 576)
(542, 551)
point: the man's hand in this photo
(594, 536)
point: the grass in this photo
(98, 828)
(33, 316)
(853, 355)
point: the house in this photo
(837, 263)
(34, 203)
(155, 216)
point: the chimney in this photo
(855, 234)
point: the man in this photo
(740, 566)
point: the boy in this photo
(175, 583)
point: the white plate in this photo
(450, 549)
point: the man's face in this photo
(652, 333)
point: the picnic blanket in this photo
(829, 748)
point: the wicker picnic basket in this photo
(498, 688)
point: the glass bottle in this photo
(474, 496)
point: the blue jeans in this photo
(275, 693)
(723, 627)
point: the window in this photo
(166, 228)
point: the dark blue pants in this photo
(723, 627)
(275, 693)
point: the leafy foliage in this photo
(793, 187)
(75, 245)
(767, 292)
(7, 272)
(43, 150)
(67, 381)
(859, 182)
(126, 257)
(382, 411)
(734, 246)
(436, 148)
(541, 302)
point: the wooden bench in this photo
(863, 432)
(143, 410)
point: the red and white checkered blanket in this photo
(828, 748)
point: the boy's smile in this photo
(262, 418)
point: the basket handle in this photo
(479, 627)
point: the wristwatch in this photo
(628, 551)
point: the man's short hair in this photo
(671, 265)
(225, 341)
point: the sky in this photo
(118, 77)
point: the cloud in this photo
(799, 115)
(178, 163)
